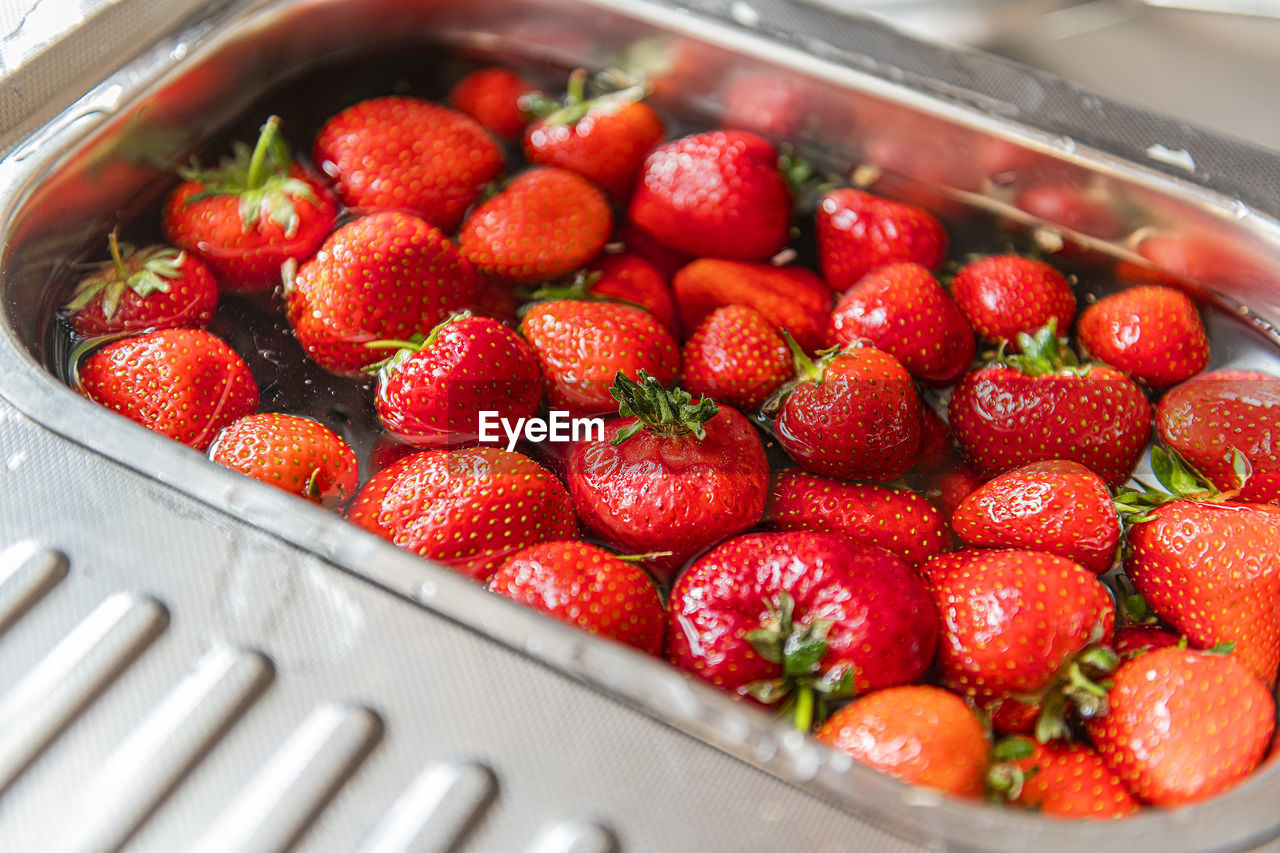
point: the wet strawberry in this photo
(493, 97)
(947, 487)
(736, 356)
(858, 231)
(628, 277)
(1006, 295)
(1061, 780)
(936, 447)
(1152, 333)
(298, 455)
(1133, 641)
(790, 297)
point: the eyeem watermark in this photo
(557, 427)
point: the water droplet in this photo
(745, 14)
(426, 591)
(15, 460)
(1179, 157)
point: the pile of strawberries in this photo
(846, 474)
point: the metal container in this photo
(191, 658)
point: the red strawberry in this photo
(588, 587)
(858, 231)
(895, 519)
(792, 298)
(153, 288)
(185, 384)
(903, 310)
(1212, 572)
(800, 615)
(582, 346)
(736, 356)
(936, 448)
(299, 455)
(947, 487)
(469, 509)
(718, 194)
(1152, 333)
(385, 276)
(1207, 419)
(403, 153)
(1061, 780)
(1133, 641)
(1006, 295)
(431, 394)
(1041, 405)
(629, 277)
(639, 242)
(1056, 506)
(668, 475)
(251, 216)
(854, 414)
(545, 223)
(493, 97)
(605, 139)
(921, 734)
(1183, 725)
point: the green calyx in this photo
(663, 412)
(1082, 686)
(259, 177)
(145, 272)
(1179, 481)
(577, 104)
(1005, 778)
(802, 690)
(1043, 354)
(407, 348)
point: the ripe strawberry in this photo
(605, 139)
(469, 509)
(936, 448)
(248, 218)
(1152, 333)
(792, 298)
(736, 356)
(582, 346)
(1207, 419)
(403, 153)
(947, 487)
(629, 277)
(921, 734)
(895, 519)
(801, 616)
(153, 288)
(1183, 725)
(185, 384)
(547, 222)
(588, 587)
(430, 394)
(718, 194)
(1004, 296)
(1056, 506)
(299, 455)
(1041, 405)
(903, 310)
(493, 97)
(854, 414)
(1059, 779)
(639, 242)
(858, 231)
(668, 475)
(1133, 641)
(1211, 571)
(385, 276)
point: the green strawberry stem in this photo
(1082, 686)
(404, 349)
(1005, 778)
(662, 412)
(258, 172)
(1043, 354)
(113, 244)
(1181, 481)
(802, 713)
(576, 103)
(646, 556)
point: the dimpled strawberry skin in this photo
(1152, 333)
(296, 454)
(736, 356)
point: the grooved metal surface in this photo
(436, 811)
(574, 836)
(27, 571)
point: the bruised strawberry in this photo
(790, 297)
(185, 384)
(298, 455)
(403, 153)
(736, 356)
(1061, 780)
(858, 231)
(1152, 333)
(493, 97)
(469, 509)
(588, 587)
(1004, 296)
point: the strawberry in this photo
(248, 218)
(385, 276)
(403, 153)
(736, 356)
(1183, 725)
(430, 394)
(1043, 405)
(858, 231)
(1153, 333)
(1004, 296)
(1211, 417)
(853, 414)
(947, 487)
(1133, 641)
(585, 586)
(639, 242)
(494, 97)
(1057, 506)
(469, 509)
(895, 519)
(545, 223)
(921, 734)
(582, 346)
(792, 298)
(903, 310)
(936, 447)
(185, 384)
(718, 194)
(1061, 780)
(668, 475)
(800, 616)
(299, 455)
(627, 276)
(605, 139)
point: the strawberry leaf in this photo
(662, 412)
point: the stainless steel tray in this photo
(190, 656)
